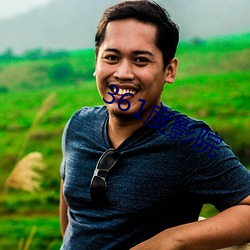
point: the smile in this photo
(123, 91)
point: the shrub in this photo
(62, 72)
(3, 90)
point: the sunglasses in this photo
(98, 185)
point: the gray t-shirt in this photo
(166, 171)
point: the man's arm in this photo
(228, 228)
(63, 211)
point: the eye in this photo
(141, 61)
(111, 58)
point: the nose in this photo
(124, 71)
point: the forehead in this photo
(130, 34)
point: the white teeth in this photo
(124, 91)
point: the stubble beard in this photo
(122, 115)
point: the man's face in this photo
(130, 59)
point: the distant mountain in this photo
(64, 24)
(59, 24)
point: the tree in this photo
(61, 72)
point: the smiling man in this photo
(129, 58)
(125, 185)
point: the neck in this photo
(120, 129)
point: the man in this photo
(132, 178)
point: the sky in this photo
(10, 8)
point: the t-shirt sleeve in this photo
(214, 174)
(63, 162)
(62, 169)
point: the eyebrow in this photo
(136, 52)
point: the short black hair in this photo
(167, 37)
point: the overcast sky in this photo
(10, 8)
(196, 18)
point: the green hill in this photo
(212, 85)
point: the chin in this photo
(120, 114)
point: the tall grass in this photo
(212, 84)
(26, 174)
(47, 104)
(21, 245)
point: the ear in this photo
(171, 70)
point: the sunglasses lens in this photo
(108, 160)
(98, 184)
(98, 188)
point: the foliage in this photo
(52, 69)
(25, 174)
(29, 240)
(4, 90)
(61, 72)
(46, 236)
(212, 85)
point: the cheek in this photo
(100, 76)
(153, 81)
(101, 88)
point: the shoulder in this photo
(194, 135)
(85, 119)
(98, 112)
(180, 119)
(88, 116)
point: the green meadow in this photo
(39, 93)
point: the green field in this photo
(213, 84)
